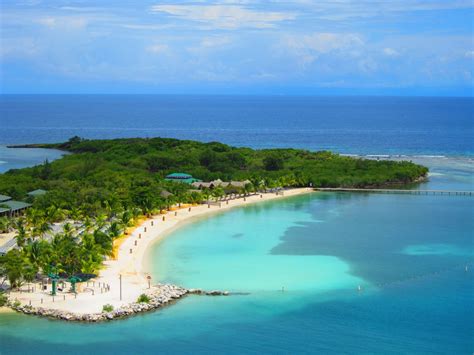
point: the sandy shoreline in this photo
(132, 263)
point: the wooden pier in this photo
(399, 191)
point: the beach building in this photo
(11, 208)
(4, 198)
(181, 177)
(165, 194)
(36, 193)
(219, 183)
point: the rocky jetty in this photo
(158, 296)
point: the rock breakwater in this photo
(157, 297)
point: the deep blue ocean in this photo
(413, 256)
(359, 125)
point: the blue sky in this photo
(406, 47)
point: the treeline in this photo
(121, 168)
(104, 186)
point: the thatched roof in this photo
(165, 194)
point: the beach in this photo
(124, 279)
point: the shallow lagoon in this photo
(320, 247)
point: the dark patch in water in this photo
(237, 235)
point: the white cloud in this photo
(18, 47)
(215, 41)
(146, 27)
(309, 47)
(390, 52)
(158, 48)
(63, 22)
(225, 16)
(469, 54)
(348, 9)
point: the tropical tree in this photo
(206, 193)
(55, 214)
(217, 193)
(5, 224)
(41, 228)
(101, 220)
(115, 230)
(22, 235)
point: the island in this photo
(75, 247)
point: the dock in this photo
(398, 191)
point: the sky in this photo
(350, 47)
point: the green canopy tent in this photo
(73, 280)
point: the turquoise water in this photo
(408, 253)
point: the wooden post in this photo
(120, 278)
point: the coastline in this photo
(123, 280)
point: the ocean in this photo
(320, 273)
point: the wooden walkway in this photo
(400, 191)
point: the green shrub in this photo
(16, 303)
(143, 298)
(107, 308)
(3, 299)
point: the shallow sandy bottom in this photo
(131, 269)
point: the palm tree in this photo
(217, 193)
(126, 218)
(136, 212)
(248, 188)
(115, 230)
(55, 214)
(100, 220)
(41, 228)
(32, 216)
(33, 251)
(68, 230)
(5, 224)
(87, 224)
(76, 214)
(22, 235)
(195, 197)
(206, 193)
(257, 183)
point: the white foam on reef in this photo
(431, 156)
(435, 249)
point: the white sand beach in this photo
(130, 267)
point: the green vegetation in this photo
(107, 308)
(3, 299)
(143, 299)
(105, 186)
